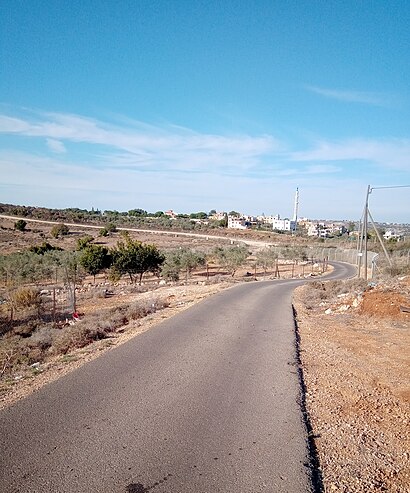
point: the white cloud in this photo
(387, 153)
(365, 97)
(173, 146)
(56, 146)
(133, 164)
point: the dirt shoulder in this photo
(356, 365)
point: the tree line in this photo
(132, 218)
(129, 257)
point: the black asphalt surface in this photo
(207, 401)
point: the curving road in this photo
(207, 401)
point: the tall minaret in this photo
(295, 210)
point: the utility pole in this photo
(365, 229)
(363, 232)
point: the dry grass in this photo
(318, 291)
(35, 345)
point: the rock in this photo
(343, 308)
(356, 302)
(328, 311)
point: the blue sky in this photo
(199, 105)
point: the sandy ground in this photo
(356, 365)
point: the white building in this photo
(283, 224)
(237, 222)
(170, 214)
(265, 219)
(392, 235)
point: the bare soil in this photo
(356, 366)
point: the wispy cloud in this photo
(364, 97)
(386, 153)
(56, 146)
(131, 163)
(142, 144)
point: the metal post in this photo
(366, 214)
(360, 247)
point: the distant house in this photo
(392, 235)
(218, 216)
(283, 224)
(235, 222)
(265, 219)
(171, 214)
(324, 229)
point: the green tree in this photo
(43, 248)
(190, 260)
(231, 258)
(84, 242)
(137, 213)
(266, 258)
(135, 258)
(20, 225)
(171, 267)
(198, 215)
(59, 230)
(294, 253)
(94, 258)
(111, 228)
(181, 260)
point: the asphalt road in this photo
(208, 401)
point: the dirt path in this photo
(356, 367)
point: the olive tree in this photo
(183, 259)
(231, 258)
(132, 257)
(59, 230)
(94, 258)
(266, 258)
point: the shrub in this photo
(41, 338)
(25, 298)
(44, 248)
(318, 291)
(142, 308)
(111, 228)
(59, 230)
(20, 225)
(84, 242)
(77, 336)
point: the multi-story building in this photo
(283, 224)
(235, 222)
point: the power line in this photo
(394, 186)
